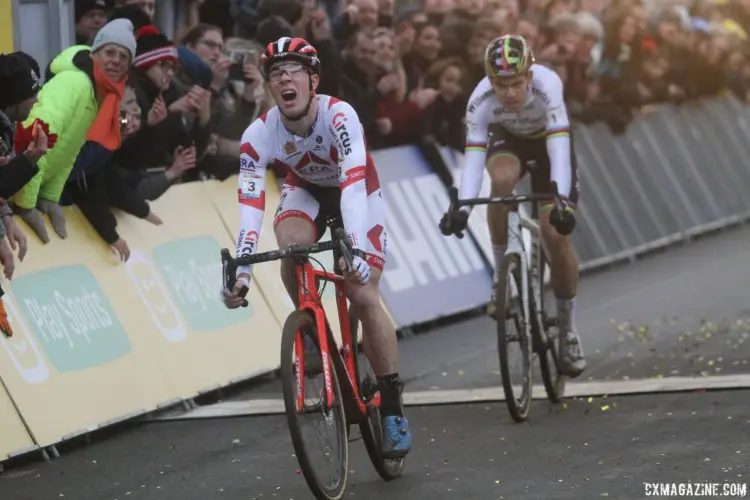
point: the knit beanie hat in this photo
(133, 13)
(83, 7)
(19, 78)
(118, 32)
(152, 48)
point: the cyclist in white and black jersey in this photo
(517, 123)
(318, 140)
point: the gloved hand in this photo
(235, 297)
(453, 222)
(563, 220)
(360, 272)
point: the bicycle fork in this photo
(516, 247)
(530, 278)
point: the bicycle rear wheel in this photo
(554, 381)
(337, 453)
(371, 429)
(510, 316)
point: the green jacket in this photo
(67, 103)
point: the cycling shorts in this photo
(316, 203)
(532, 155)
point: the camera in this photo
(239, 58)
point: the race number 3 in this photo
(251, 186)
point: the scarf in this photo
(106, 127)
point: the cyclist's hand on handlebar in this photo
(454, 222)
(232, 298)
(564, 221)
(360, 273)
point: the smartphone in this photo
(236, 69)
(123, 120)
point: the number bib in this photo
(250, 185)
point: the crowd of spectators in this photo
(406, 67)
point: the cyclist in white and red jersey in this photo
(516, 123)
(320, 143)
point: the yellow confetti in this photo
(680, 338)
(660, 376)
(497, 481)
(710, 362)
(605, 407)
(590, 399)
(565, 406)
(460, 373)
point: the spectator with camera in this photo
(241, 101)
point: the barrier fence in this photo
(98, 341)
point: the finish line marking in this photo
(258, 407)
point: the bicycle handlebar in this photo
(230, 264)
(456, 203)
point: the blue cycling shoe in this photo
(396, 437)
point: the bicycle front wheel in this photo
(512, 331)
(323, 464)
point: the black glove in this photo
(563, 220)
(454, 222)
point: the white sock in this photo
(566, 313)
(498, 252)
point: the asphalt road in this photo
(686, 312)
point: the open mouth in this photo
(288, 95)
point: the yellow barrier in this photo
(6, 26)
(106, 340)
(13, 436)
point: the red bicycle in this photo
(349, 392)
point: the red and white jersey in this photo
(333, 154)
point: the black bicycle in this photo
(520, 303)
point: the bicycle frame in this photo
(515, 243)
(309, 299)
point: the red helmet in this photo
(290, 49)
